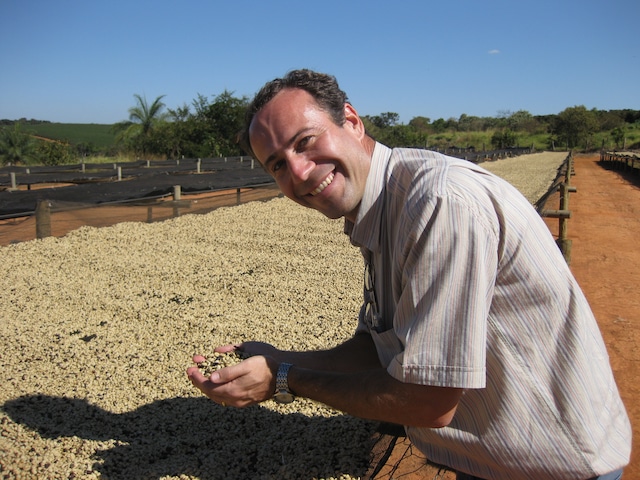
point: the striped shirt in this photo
(474, 293)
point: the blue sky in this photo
(81, 61)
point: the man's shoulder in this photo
(409, 164)
(417, 158)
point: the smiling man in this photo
(473, 333)
(315, 162)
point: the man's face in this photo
(315, 162)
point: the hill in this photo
(99, 135)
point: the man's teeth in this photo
(323, 185)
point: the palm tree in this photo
(138, 130)
(16, 147)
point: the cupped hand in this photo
(247, 383)
(258, 348)
(249, 349)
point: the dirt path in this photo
(605, 258)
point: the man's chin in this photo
(323, 209)
(332, 215)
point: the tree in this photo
(403, 136)
(225, 117)
(574, 125)
(137, 132)
(387, 119)
(469, 123)
(440, 125)
(504, 139)
(216, 124)
(420, 123)
(146, 115)
(618, 136)
(176, 132)
(55, 153)
(17, 147)
(609, 120)
(521, 120)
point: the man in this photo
(474, 335)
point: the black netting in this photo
(99, 184)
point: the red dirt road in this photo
(605, 258)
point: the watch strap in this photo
(282, 378)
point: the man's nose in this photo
(300, 168)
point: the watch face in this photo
(283, 397)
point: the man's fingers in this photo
(195, 375)
(226, 348)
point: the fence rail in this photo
(621, 161)
(476, 156)
(57, 218)
(561, 184)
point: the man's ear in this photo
(353, 120)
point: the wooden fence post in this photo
(177, 195)
(43, 219)
(565, 189)
(563, 241)
(563, 214)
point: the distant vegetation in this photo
(42, 142)
(208, 128)
(94, 136)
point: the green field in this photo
(98, 135)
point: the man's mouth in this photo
(323, 185)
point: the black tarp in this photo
(151, 183)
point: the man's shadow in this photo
(196, 437)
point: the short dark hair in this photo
(321, 86)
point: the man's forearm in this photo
(356, 354)
(376, 395)
(351, 379)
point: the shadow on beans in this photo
(196, 437)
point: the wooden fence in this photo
(628, 162)
(561, 184)
(176, 203)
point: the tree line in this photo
(208, 128)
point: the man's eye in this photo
(277, 165)
(303, 143)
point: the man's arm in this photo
(376, 395)
(348, 377)
(356, 354)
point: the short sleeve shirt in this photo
(474, 294)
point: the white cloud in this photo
(495, 51)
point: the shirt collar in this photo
(365, 232)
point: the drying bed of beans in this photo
(98, 328)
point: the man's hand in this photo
(250, 349)
(247, 383)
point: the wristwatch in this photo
(282, 393)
